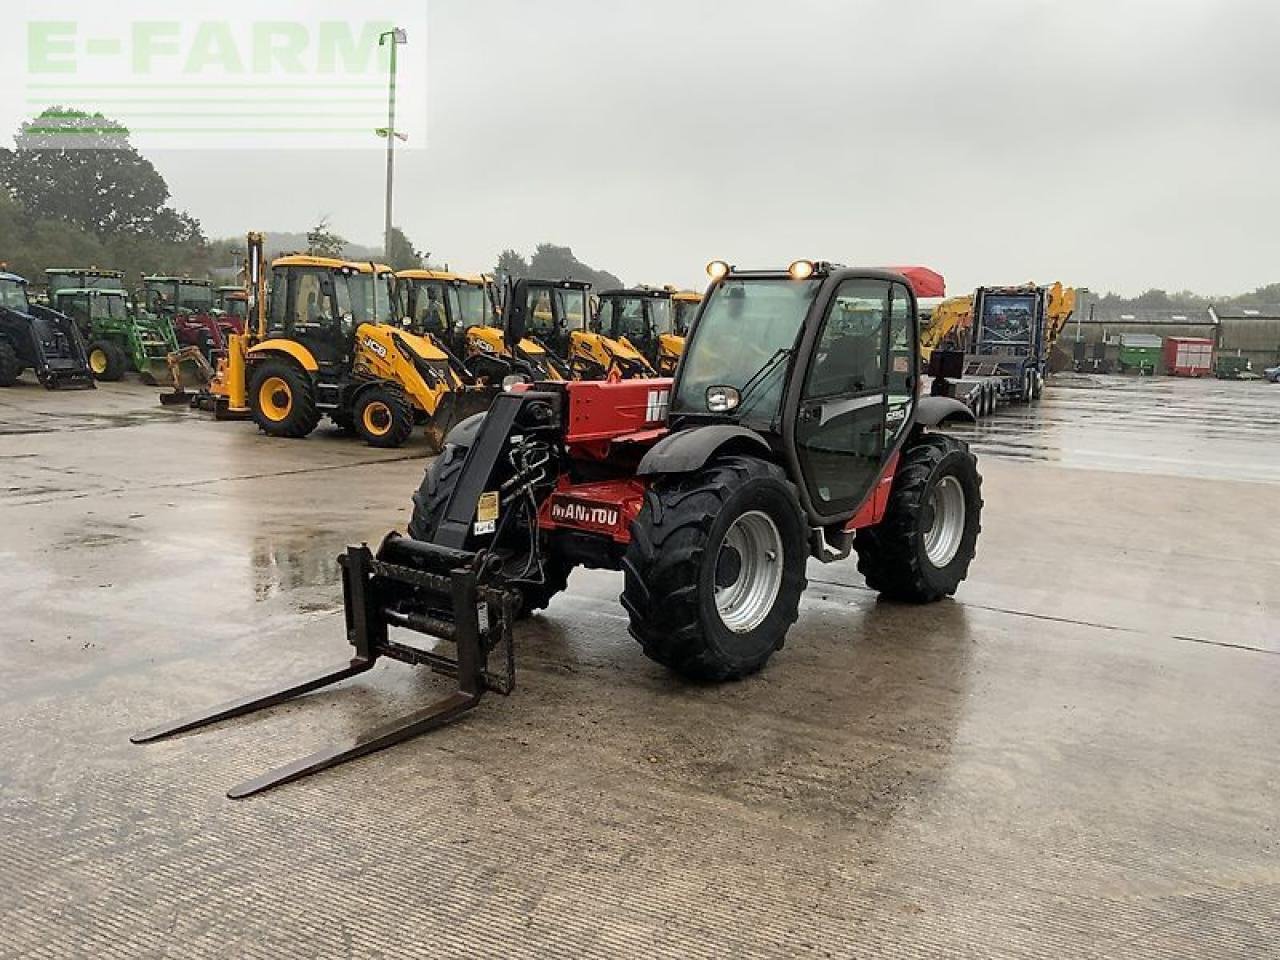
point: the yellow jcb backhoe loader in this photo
(323, 343)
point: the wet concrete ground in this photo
(1075, 758)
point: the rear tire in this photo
(429, 503)
(10, 368)
(715, 568)
(383, 417)
(921, 550)
(107, 361)
(282, 400)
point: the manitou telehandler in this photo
(327, 346)
(118, 338)
(40, 339)
(793, 430)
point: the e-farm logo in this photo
(263, 75)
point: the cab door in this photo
(856, 394)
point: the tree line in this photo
(74, 191)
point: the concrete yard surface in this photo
(1075, 757)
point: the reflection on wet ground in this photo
(1192, 428)
(1045, 766)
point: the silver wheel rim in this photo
(745, 601)
(942, 539)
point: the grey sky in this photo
(1118, 144)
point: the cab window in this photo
(849, 357)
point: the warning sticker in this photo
(487, 507)
(901, 365)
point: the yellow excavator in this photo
(322, 342)
(950, 321)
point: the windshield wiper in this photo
(760, 376)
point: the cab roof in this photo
(192, 280)
(656, 293)
(329, 263)
(88, 272)
(448, 276)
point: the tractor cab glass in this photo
(624, 317)
(195, 297)
(1007, 322)
(748, 328)
(683, 312)
(87, 306)
(661, 316)
(473, 306)
(13, 296)
(428, 306)
(571, 307)
(364, 297)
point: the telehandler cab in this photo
(327, 346)
(793, 429)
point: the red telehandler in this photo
(793, 429)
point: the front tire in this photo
(10, 368)
(921, 550)
(107, 361)
(715, 569)
(282, 400)
(383, 417)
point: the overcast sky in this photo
(1115, 144)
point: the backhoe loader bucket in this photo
(455, 406)
(188, 372)
(409, 585)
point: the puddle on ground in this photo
(282, 564)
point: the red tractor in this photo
(794, 429)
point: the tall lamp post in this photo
(395, 37)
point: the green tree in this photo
(80, 169)
(552, 262)
(323, 242)
(403, 255)
(511, 264)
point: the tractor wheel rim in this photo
(755, 558)
(946, 514)
(275, 398)
(377, 418)
(98, 361)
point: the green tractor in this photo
(119, 338)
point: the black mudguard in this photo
(687, 450)
(932, 411)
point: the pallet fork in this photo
(411, 585)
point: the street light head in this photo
(397, 35)
(401, 35)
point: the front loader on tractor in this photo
(118, 338)
(794, 429)
(188, 304)
(325, 346)
(40, 339)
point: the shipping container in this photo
(1140, 353)
(1188, 356)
